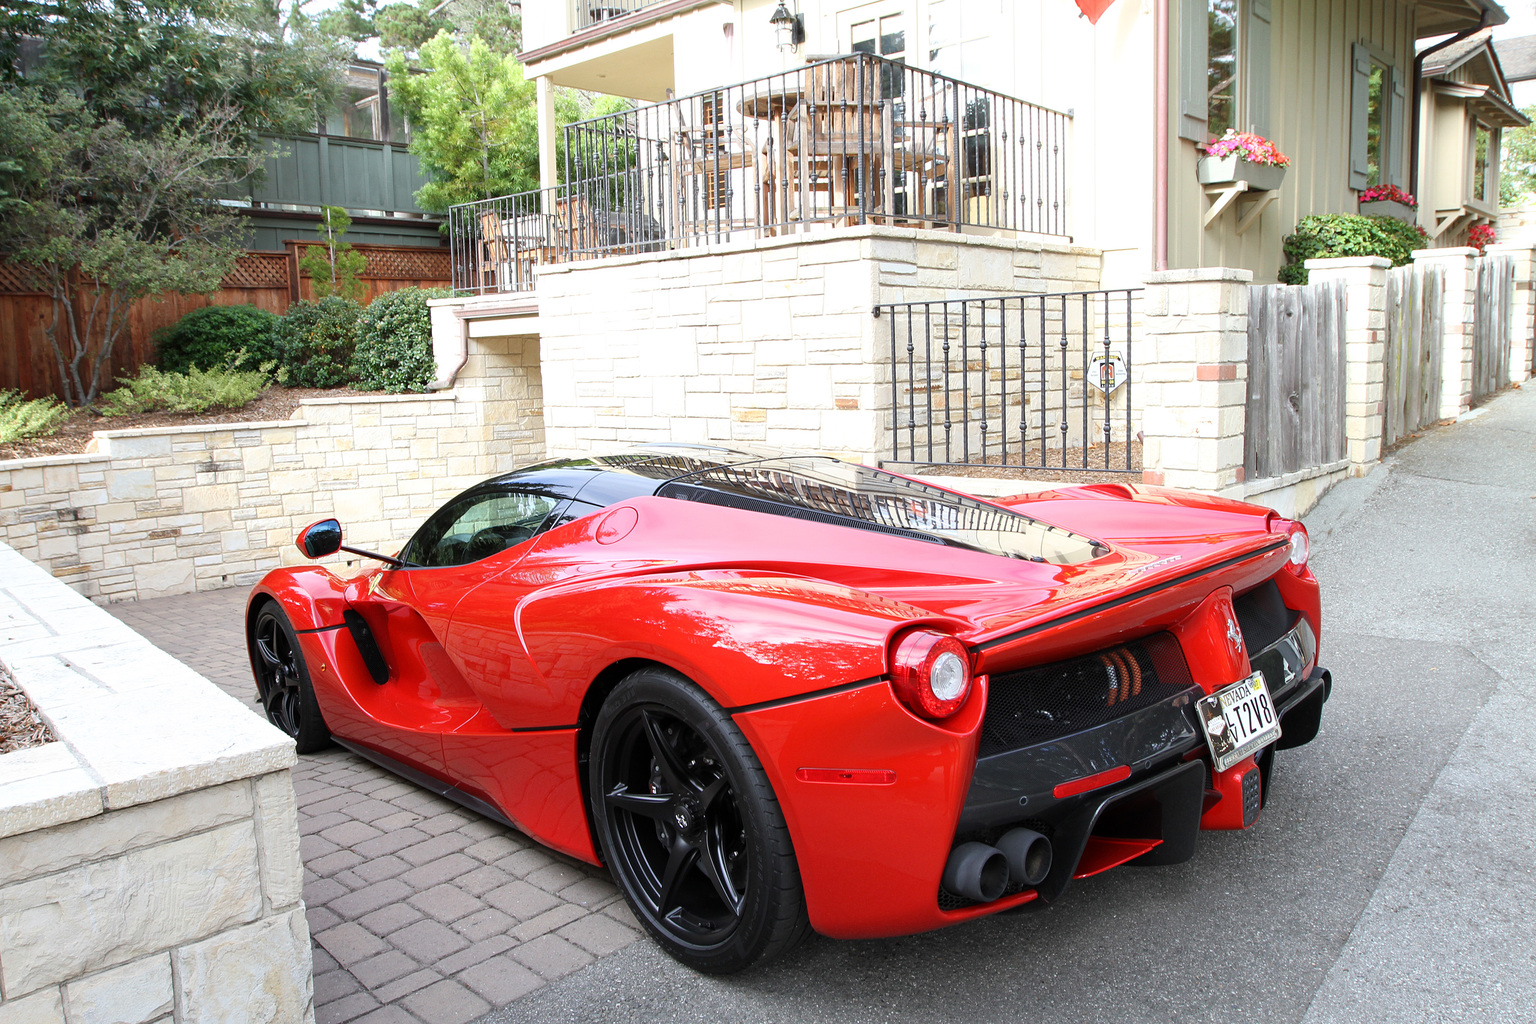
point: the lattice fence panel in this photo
(259, 270)
(402, 263)
(16, 279)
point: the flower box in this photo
(1390, 208)
(1222, 170)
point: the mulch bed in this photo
(276, 403)
(20, 724)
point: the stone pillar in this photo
(1365, 348)
(1192, 378)
(1522, 309)
(544, 99)
(1460, 301)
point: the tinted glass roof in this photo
(819, 489)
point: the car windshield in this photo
(842, 493)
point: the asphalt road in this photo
(1390, 878)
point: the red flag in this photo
(1093, 9)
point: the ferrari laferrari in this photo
(774, 693)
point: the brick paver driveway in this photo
(420, 910)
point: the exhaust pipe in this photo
(1028, 853)
(976, 871)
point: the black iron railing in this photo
(586, 13)
(1029, 381)
(850, 140)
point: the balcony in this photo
(847, 141)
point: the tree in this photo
(1517, 168)
(121, 143)
(474, 124)
(473, 121)
(334, 267)
(409, 26)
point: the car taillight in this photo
(931, 673)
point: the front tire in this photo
(690, 826)
(282, 680)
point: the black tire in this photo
(282, 680)
(690, 826)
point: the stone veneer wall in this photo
(771, 341)
(172, 510)
(149, 859)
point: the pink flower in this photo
(1388, 193)
(1253, 148)
(1481, 236)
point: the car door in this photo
(407, 611)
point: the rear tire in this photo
(691, 828)
(282, 680)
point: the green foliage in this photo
(409, 26)
(155, 65)
(333, 270)
(119, 146)
(207, 337)
(349, 19)
(20, 418)
(1348, 234)
(317, 340)
(474, 123)
(1517, 169)
(394, 342)
(197, 390)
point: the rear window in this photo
(845, 494)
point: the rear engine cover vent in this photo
(1042, 703)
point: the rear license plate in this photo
(1238, 720)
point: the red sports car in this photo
(775, 693)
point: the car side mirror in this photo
(320, 539)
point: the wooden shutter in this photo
(1395, 89)
(1256, 54)
(1194, 33)
(1359, 118)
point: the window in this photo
(1482, 174)
(1221, 67)
(479, 525)
(1224, 67)
(1375, 125)
(885, 36)
(1378, 101)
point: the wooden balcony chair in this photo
(718, 173)
(838, 138)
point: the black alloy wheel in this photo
(282, 680)
(690, 826)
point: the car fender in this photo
(312, 596)
(745, 637)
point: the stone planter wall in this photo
(149, 860)
(765, 342)
(172, 510)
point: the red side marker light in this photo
(848, 776)
(1091, 782)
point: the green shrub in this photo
(206, 338)
(394, 342)
(316, 340)
(1348, 234)
(21, 418)
(197, 390)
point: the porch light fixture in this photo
(789, 28)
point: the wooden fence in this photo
(269, 280)
(1295, 378)
(1413, 353)
(1491, 323)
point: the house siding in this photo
(1309, 117)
